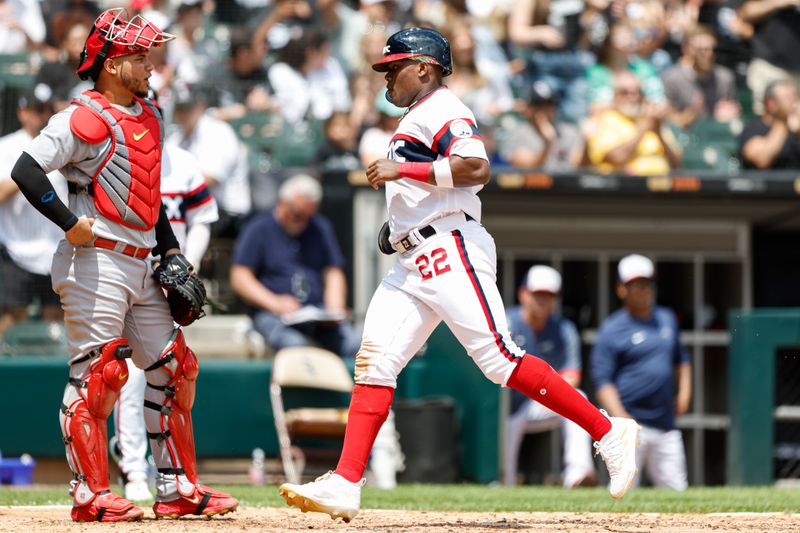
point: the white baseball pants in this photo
(533, 417)
(107, 295)
(662, 455)
(450, 276)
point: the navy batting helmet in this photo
(424, 43)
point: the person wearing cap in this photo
(27, 240)
(635, 363)
(375, 140)
(446, 271)
(222, 156)
(541, 141)
(108, 143)
(536, 327)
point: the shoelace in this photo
(324, 476)
(612, 454)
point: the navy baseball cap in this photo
(38, 97)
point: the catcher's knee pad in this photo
(176, 433)
(83, 417)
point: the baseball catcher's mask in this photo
(113, 35)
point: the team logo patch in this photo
(461, 129)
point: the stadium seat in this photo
(308, 380)
(286, 144)
(710, 145)
(17, 70)
(225, 337)
(36, 338)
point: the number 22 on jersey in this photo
(439, 267)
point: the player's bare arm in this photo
(465, 171)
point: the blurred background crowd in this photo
(556, 84)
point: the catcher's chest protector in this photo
(127, 184)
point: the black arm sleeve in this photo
(165, 237)
(33, 183)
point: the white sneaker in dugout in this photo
(330, 494)
(618, 450)
(137, 491)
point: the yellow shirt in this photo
(610, 129)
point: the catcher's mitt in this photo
(186, 293)
(383, 240)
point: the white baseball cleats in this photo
(330, 493)
(138, 491)
(618, 450)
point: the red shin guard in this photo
(369, 407)
(537, 380)
(176, 431)
(83, 421)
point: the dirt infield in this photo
(56, 519)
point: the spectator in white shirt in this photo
(21, 26)
(308, 82)
(220, 153)
(375, 140)
(27, 240)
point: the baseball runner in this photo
(107, 143)
(191, 210)
(446, 270)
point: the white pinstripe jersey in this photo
(437, 126)
(184, 194)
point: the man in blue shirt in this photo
(634, 366)
(288, 268)
(537, 330)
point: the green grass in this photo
(484, 498)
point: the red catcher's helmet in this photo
(114, 36)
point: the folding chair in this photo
(307, 368)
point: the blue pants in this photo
(342, 338)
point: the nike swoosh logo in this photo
(123, 376)
(138, 136)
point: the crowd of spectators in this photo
(545, 77)
(251, 87)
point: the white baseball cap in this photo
(542, 278)
(635, 266)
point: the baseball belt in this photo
(127, 249)
(416, 236)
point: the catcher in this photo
(108, 144)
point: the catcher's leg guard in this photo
(175, 438)
(175, 420)
(87, 403)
